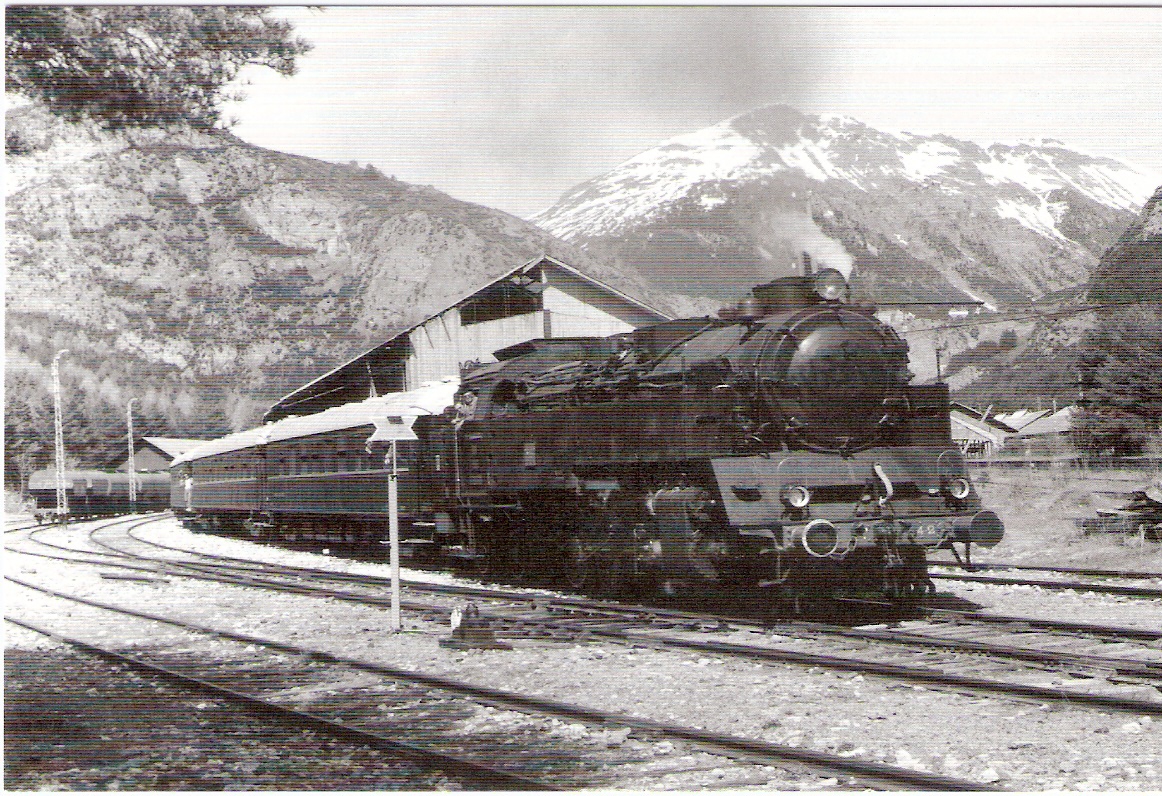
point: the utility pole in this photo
(62, 494)
(132, 467)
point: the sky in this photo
(510, 106)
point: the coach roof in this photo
(431, 399)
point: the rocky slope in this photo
(206, 277)
(919, 217)
(1042, 366)
(1132, 268)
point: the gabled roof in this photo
(1023, 417)
(431, 399)
(398, 332)
(1059, 422)
(994, 422)
(965, 427)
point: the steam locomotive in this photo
(779, 444)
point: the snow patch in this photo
(930, 158)
(1104, 180)
(643, 186)
(1040, 218)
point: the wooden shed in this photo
(543, 298)
(978, 435)
(153, 454)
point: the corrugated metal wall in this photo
(571, 317)
(574, 308)
(439, 346)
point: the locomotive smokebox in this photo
(984, 528)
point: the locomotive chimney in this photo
(807, 268)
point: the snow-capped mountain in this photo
(919, 217)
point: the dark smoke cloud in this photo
(605, 83)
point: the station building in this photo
(543, 298)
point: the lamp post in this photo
(393, 536)
(390, 430)
(62, 495)
(132, 467)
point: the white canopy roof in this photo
(431, 399)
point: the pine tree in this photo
(1120, 371)
(140, 65)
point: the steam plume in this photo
(804, 235)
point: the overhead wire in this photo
(1033, 316)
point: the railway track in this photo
(1140, 590)
(1063, 570)
(252, 683)
(424, 716)
(957, 652)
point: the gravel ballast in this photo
(1022, 745)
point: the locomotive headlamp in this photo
(797, 496)
(830, 285)
(959, 488)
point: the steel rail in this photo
(1058, 585)
(1107, 631)
(840, 663)
(566, 603)
(749, 748)
(484, 775)
(1148, 669)
(1142, 669)
(956, 615)
(1145, 669)
(1097, 573)
(900, 672)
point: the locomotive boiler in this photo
(780, 444)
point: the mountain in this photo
(207, 277)
(1132, 268)
(1031, 360)
(919, 218)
